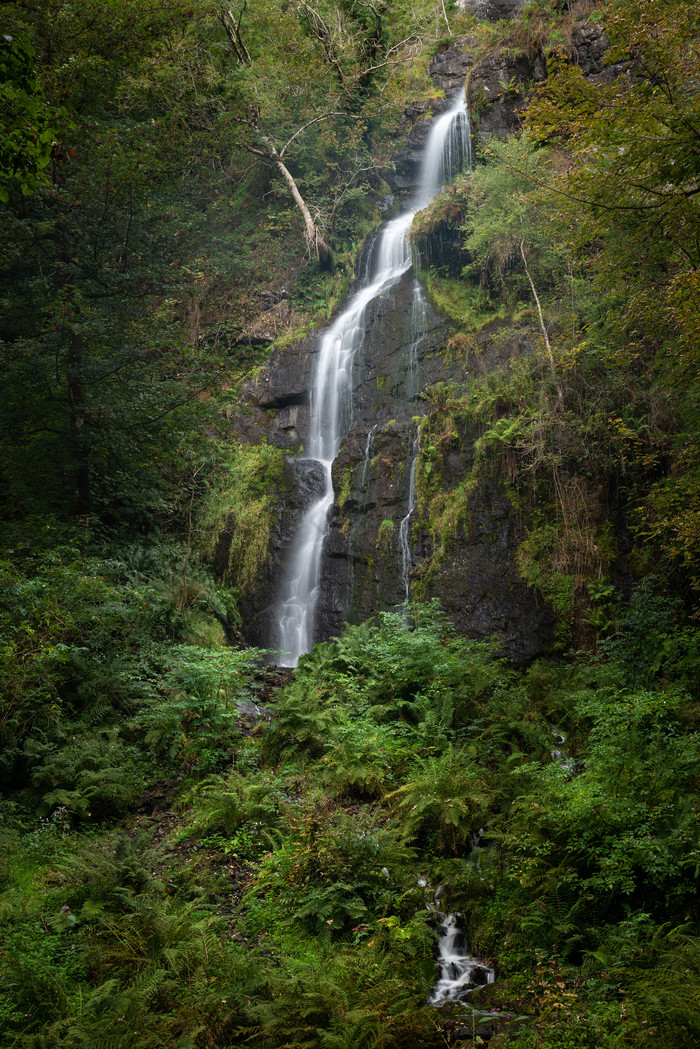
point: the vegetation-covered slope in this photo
(178, 867)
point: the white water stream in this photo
(447, 148)
(459, 972)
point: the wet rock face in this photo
(476, 578)
(275, 405)
(361, 565)
(498, 92)
(478, 582)
(448, 69)
(384, 386)
(360, 571)
(404, 176)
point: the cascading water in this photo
(419, 325)
(447, 148)
(459, 972)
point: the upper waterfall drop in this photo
(447, 148)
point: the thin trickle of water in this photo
(367, 458)
(362, 492)
(405, 526)
(559, 755)
(331, 393)
(419, 329)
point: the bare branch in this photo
(270, 153)
(323, 34)
(560, 395)
(316, 120)
(233, 32)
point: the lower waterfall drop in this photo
(331, 408)
(459, 972)
(448, 147)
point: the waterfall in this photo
(447, 148)
(459, 972)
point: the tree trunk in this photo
(76, 403)
(560, 395)
(314, 238)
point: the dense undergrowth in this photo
(282, 895)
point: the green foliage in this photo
(90, 671)
(194, 726)
(235, 518)
(626, 177)
(29, 125)
(443, 803)
(328, 876)
(536, 560)
(282, 898)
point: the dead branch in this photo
(543, 328)
(323, 34)
(233, 32)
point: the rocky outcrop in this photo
(478, 583)
(275, 405)
(475, 576)
(589, 46)
(492, 10)
(450, 66)
(499, 87)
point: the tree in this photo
(28, 140)
(631, 186)
(314, 239)
(102, 378)
(505, 223)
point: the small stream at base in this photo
(460, 973)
